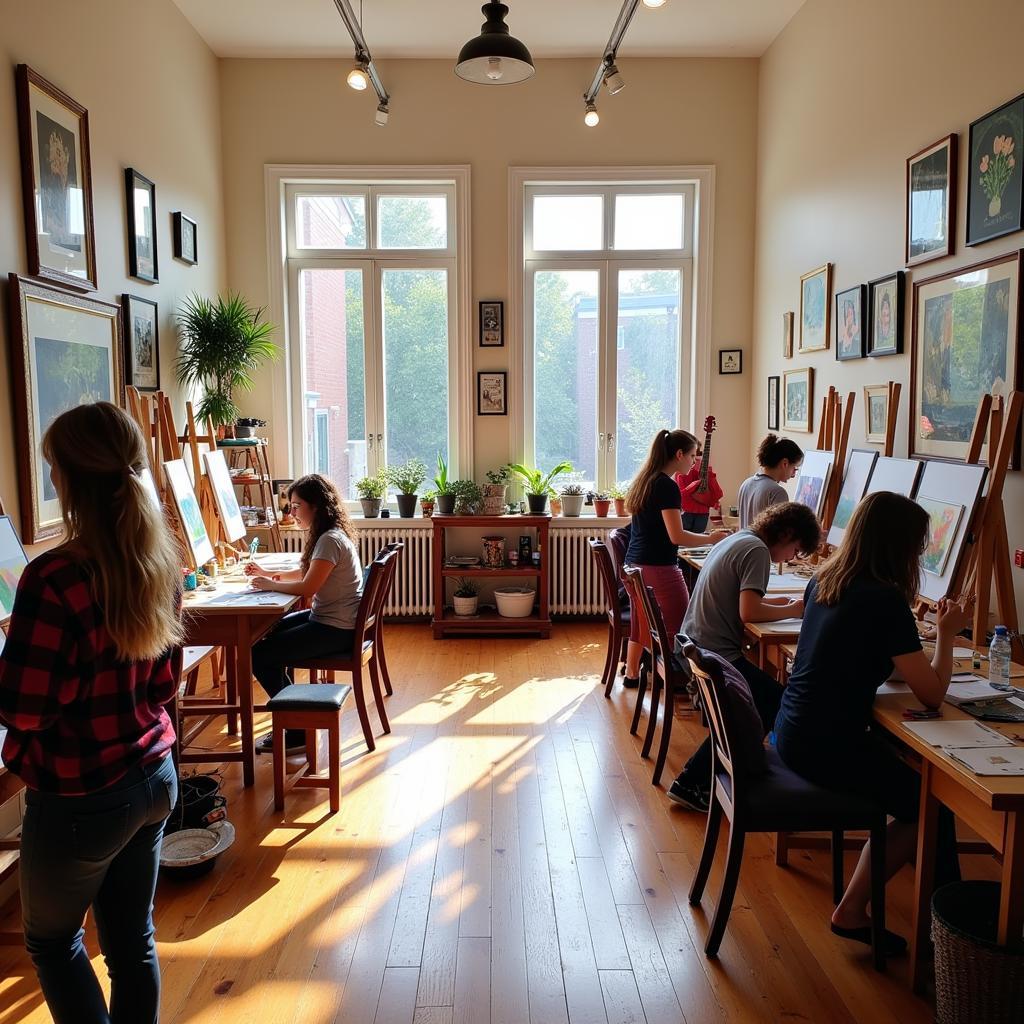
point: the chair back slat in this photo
(634, 584)
(710, 682)
(606, 571)
(366, 614)
(661, 642)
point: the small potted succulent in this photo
(371, 490)
(618, 495)
(407, 480)
(601, 504)
(494, 491)
(538, 485)
(464, 598)
(467, 497)
(427, 503)
(443, 490)
(246, 426)
(572, 500)
(555, 503)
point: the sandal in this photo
(892, 944)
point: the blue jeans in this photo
(100, 850)
(697, 522)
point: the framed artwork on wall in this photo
(186, 239)
(730, 360)
(815, 303)
(931, 202)
(65, 351)
(876, 413)
(492, 324)
(965, 342)
(885, 315)
(491, 397)
(798, 388)
(56, 180)
(787, 335)
(140, 194)
(141, 343)
(850, 323)
(773, 402)
(995, 178)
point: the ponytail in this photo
(772, 450)
(663, 449)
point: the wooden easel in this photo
(834, 436)
(892, 414)
(144, 409)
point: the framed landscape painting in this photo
(56, 180)
(815, 303)
(995, 178)
(798, 394)
(141, 343)
(931, 201)
(65, 351)
(966, 342)
(885, 315)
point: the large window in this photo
(373, 275)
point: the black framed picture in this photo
(492, 324)
(931, 202)
(730, 360)
(491, 396)
(995, 182)
(140, 194)
(885, 315)
(773, 402)
(850, 323)
(141, 328)
(186, 242)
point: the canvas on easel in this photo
(12, 564)
(187, 505)
(896, 475)
(812, 483)
(219, 479)
(858, 472)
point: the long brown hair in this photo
(663, 449)
(883, 542)
(134, 560)
(773, 449)
(329, 511)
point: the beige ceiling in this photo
(438, 28)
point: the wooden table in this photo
(770, 638)
(778, 583)
(234, 616)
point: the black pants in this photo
(295, 637)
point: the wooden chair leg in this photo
(666, 733)
(707, 855)
(782, 849)
(364, 720)
(878, 836)
(622, 651)
(838, 882)
(729, 882)
(378, 646)
(652, 714)
(640, 693)
(231, 684)
(312, 751)
(608, 675)
(334, 764)
(378, 698)
(279, 760)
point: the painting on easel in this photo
(189, 515)
(224, 494)
(943, 523)
(12, 563)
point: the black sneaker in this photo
(689, 795)
(631, 684)
(292, 744)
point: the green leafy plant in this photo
(222, 343)
(441, 482)
(372, 487)
(572, 489)
(465, 588)
(408, 477)
(618, 490)
(601, 496)
(467, 496)
(498, 476)
(534, 479)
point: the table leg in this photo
(231, 687)
(243, 658)
(1011, 902)
(924, 881)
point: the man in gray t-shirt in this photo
(757, 493)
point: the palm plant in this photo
(534, 479)
(222, 343)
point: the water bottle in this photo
(999, 659)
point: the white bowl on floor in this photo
(514, 602)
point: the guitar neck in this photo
(705, 463)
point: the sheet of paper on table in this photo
(991, 760)
(959, 735)
(973, 690)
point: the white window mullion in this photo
(606, 380)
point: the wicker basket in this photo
(976, 980)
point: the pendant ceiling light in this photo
(494, 57)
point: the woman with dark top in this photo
(858, 628)
(779, 459)
(657, 531)
(84, 677)
(329, 573)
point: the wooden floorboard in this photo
(501, 857)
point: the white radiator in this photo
(575, 582)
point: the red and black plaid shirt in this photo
(78, 718)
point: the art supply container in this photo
(494, 552)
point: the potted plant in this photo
(572, 500)
(601, 504)
(221, 344)
(247, 426)
(443, 488)
(494, 491)
(370, 490)
(555, 501)
(465, 596)
(467, 497)
(537, 484)
(427, 503)
(618, 496)
(407, 480)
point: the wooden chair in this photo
(618, 618)
(362, 655)
(633, 582)
(769, 801)
(378, 636)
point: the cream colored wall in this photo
(150, 85)
(847, 92)
(672, 112)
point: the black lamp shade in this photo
(494, 57)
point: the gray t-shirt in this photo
(757, 493)
(740, 562)
(337, 601)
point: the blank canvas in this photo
(219, 475)
(896, 475)
(858, 472)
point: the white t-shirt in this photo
(337, 601)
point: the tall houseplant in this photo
(538, 485)
(221, 344)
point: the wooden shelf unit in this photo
(446, 623)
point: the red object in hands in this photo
(1018, 558)
(699, 489)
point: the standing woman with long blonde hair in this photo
(657, 531)
(84, 677)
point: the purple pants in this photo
(671, 594)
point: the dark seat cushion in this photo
(310, 697)
(746, 731)
(330, 662)
(780, 800)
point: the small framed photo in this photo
(876, 413)
(850, 323)
(798, 411)
(787, 335)
(815, 307)
(492, 324)
(730, 360)
(140, 194)
(491, 398)
(141, 329)
(773, 402)
(931, 201)
(995, 176)
(186, 244)
(885, 315)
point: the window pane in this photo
(331, 319)
(647, 394)
(565, 333)
(415, 304)
(330, 222)
(566, 223)
(649, 222)
(412, 222)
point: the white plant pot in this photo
(514, 602)
(465, 605)
(572, 504)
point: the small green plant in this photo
(407, 478)
(572, 489)
(601, 496)
(534, 479)
(441, 483)
(618, 490)
(372, 487)
(467, 496)
(498, 476)
(465, 588)
(429, 496)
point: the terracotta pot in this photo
(427, 507)
(601, 507)
(620, 506)
(556, 506)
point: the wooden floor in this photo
(502, 857)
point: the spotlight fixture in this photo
(357, 77)
(613, 79)
(591, 118)
(654, 4)
(364, 75)
(495, 57)
(381, 117)
(606, 71)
